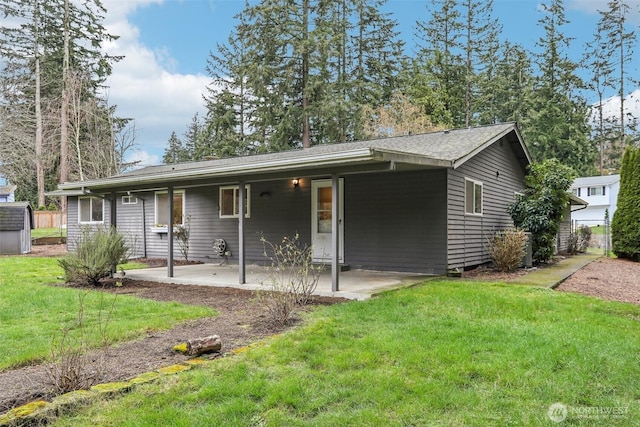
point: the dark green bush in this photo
(98, 252)
(625, 227)
(540, 209)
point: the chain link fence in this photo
(600, 232)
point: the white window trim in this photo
(91, 199)
(131, 200)
(235, 189)
(158, 226)
(475, 182)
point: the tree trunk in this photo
(208, 344)
(64, 109)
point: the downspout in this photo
(144, 226)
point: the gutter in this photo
(360, 155)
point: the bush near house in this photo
(625, 229)
(540, 209)
(98, 253)
(507, 249)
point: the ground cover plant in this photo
(31, 312)
(441, 353)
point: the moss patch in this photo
(112, 388)
(145, 378)
(181, 348)
(173, 369)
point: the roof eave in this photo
(333, 159)
(513, 128)
(413, 159)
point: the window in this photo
(162, 208)
(229, 201)
(576, 192)
(595, 191)
(129, 200)
(473, 197)
(90, 210)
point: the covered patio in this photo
(354, 284)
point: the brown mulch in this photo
(242, 321)
(608, 278)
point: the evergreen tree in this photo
(308, 84)
(481, 46)
(557, 127)
(616, 42)
(52, 58)
(508, 94)
(421, 89)
(441, 56)
(175, 151)
(625, 233)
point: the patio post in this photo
(335, 232)
(241, 214)
(170, 233)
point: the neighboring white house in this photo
(7, 193)
(601, 192)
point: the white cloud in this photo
(611, 106)
(144, 86)
(593, 6)
(142, 158)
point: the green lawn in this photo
(31, 312)
(448, 353)
(48, 232)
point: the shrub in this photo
(182, 235)
(73, 367)
(507, 248)
(540, 209)
(292, 275)
(625, 232)
(98, 252)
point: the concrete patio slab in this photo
(354, 284)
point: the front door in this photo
(321, 218)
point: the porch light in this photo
(295, 182)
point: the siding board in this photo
(467, 233)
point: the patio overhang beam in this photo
(369, 167)
(265, 167)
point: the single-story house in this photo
(7, 193)
(601, 193)
(419, 203)
(16, 223)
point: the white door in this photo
(321, 218)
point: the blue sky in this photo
(167, 42)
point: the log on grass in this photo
(204, 345)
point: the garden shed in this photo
(16, 223)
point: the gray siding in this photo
(564, 231)
(396, 221)
(73, 228)
(11, 242)
(277, 209)
(468, 233)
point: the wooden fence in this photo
(49, 219)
